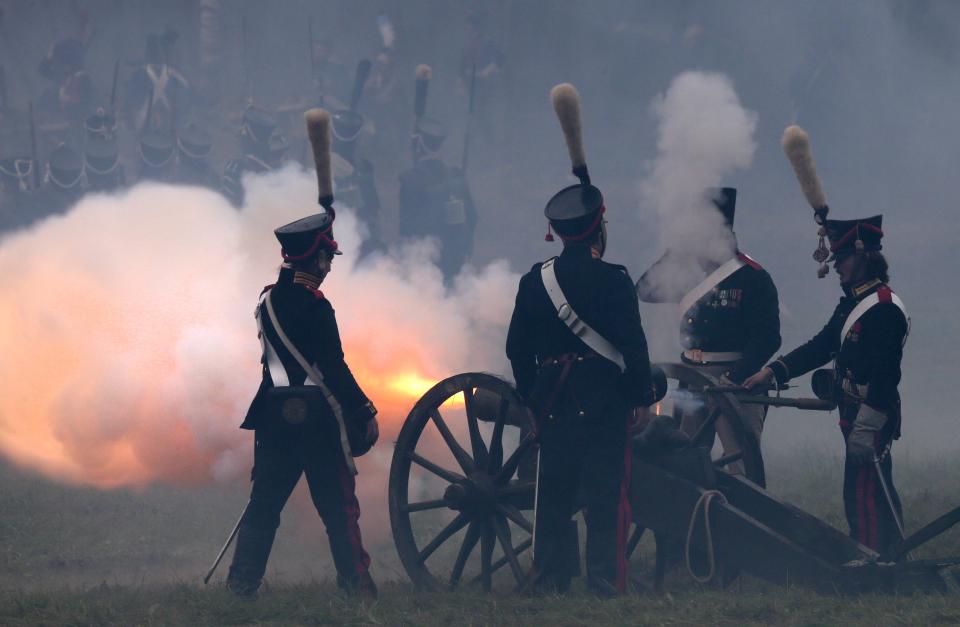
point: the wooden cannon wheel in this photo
(463, 474)
(683, 383)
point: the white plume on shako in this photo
(128, 348)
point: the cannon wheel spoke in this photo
(423, 506)
(495, 461)
(500, 563)
(515, 516)
(479, 449)
(436, 469)
(486, 556)
(445, 534)
(463, 458)
(510, 466)
(466, 548)
(502, 530)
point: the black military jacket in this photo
(435, 200)
(308, 320)
(870, 356)
(741, 314)
(603, 296)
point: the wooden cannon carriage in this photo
(462, 491)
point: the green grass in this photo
(81, 556)
(316, 604)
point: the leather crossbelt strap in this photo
(867, 304)
(706, 357)
(709, 283)
(316, 378)
(569, 317)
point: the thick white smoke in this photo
(704, 136)
(128, 349)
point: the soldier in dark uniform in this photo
(155, 89)
(156, 156)
(864, 337)
(435, 199)
(262, 152)
(193, 157)
(580, 397)
(295, 317)
(104, 171)
(730, 320)
(71, 92)
(353, 175)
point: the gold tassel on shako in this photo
(796, 145)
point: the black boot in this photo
(360, 586)
(249, 560)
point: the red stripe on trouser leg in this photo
(624, 514)
(861, 514)
(871, 500)
(351, 509)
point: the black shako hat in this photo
(194, 142)
(101, 154)
(302, 238)
(346, 125)
(258, 125)
(575, 212)
(725, 200)
(850, 236)
(156, 148)
(430, 133)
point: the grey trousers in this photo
(754, 414)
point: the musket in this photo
(742, 395)
(33, 148)
(226, 545)
(113, 87)
(466, 131)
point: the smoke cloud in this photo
(128, 349)
(704, 136)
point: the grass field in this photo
(83, 556)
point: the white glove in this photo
(861, 448)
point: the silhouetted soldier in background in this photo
(435, 200)
(353, 175)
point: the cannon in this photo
(462, 495)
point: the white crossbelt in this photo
(581, 329)
(280, 378)
(701, 290)
(866, 305)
